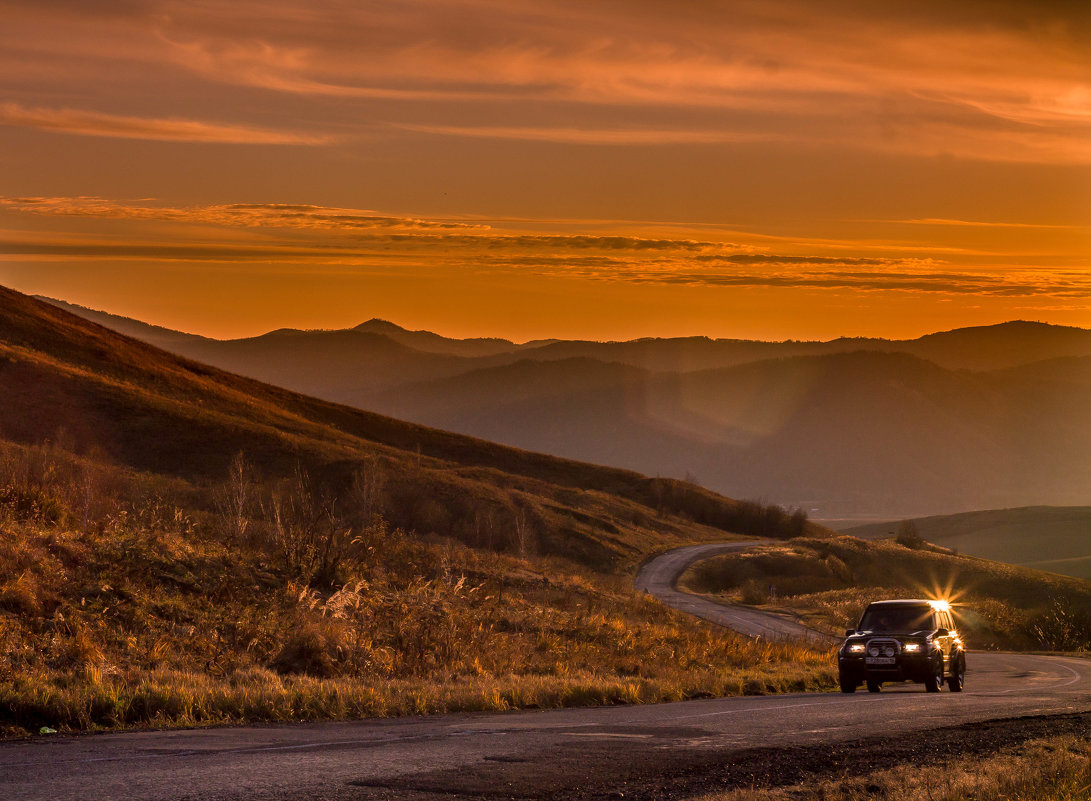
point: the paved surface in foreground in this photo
(573, 753)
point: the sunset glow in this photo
(605, 170)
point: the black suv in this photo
(903, 641)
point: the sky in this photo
(598, 169)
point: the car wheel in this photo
(957, 679)
(847, 684)
(873, 685)
(934, 682)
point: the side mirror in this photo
(943, 633)
(849, 632)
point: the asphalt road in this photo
(657, 577)
(573, 753)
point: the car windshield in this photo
(896, 618)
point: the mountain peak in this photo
(377, 324)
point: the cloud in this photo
(353, 222)
(1008, 84)
(93, 123)
(982, 224)
(315, 238)
(593, 136)
(944, 284)
(245, 215)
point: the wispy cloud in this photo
(164, 129)
(320, 239)
(244, 215)
(983, 224)
(355, 223)
(593, 136)
(1009, 84)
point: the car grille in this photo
(883, 647)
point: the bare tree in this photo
(523, 534)
(236, 498)
(365, 493)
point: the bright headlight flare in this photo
(857, 648)
(940, 605)
(911, 647)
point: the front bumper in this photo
(906, 667)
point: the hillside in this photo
(181, 546)
(1057, 539)
(137, 406)
(856, 433)
(974, 418)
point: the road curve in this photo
(586, 753)
(658, 576)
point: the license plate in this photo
(879, 660)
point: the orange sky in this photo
(576, 169)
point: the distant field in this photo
(1053, 538)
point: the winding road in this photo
(658, 576)
(573, 753)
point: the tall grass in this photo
(159, 612)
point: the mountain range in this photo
(123, 404)
(984, 417)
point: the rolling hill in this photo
(857, 432)
(183, 546)
(129, 403)
(984, 417)
(1051, 538)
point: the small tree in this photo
(797, 524)
(909, 536)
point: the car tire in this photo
(874, 685)
(847, 685)
(957, 680)
(934, 682)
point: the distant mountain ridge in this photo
(990, 347)
(971, 418)
(124, 403)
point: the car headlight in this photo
(911, 647)
(857, 648)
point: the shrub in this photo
(909, 536)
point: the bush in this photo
(909, 536)
(754, 591)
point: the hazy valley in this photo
(969, 419)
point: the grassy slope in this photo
(831, 581)
(141, 407)
(130, 593)
(1053, 538)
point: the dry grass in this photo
(146, 578)
(155, 613)
(1053, 769)
(829, 582)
